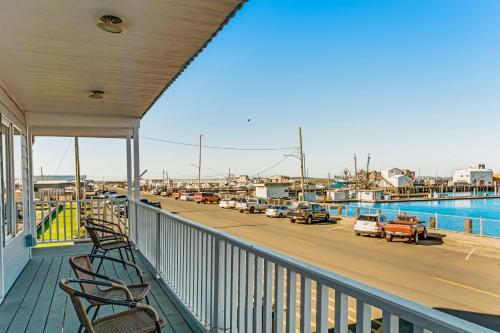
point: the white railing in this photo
(229, 284)
(60, 221)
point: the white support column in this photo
(31, 183)
(129, 165)
(137, 172)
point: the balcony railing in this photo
(64, 221)
(229, 284)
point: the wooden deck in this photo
(36, 304)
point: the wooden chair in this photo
(137, 318)
(107, 236)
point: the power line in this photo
(63, 155)
(274, 165)
(215, 147)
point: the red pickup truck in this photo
(406, 226)
(206, 197)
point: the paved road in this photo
(441, 276)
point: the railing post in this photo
(157, 252)
(480, 226)
(390, 322)
(218, 280)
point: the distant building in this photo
(370, 195)
(395, 177)
(270, 190)
(279, 179)
(476, 175)
(337, 195)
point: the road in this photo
(457, 280)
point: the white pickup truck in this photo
(252, 205)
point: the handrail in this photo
(417, 314)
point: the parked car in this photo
(187, 197)
(206, 197)
(370, 224)
(225, 203)
(232, 203)
(252, 205)
(407, 227)
(277, 211)
(151, 203)
(177, 195)
(308, 212)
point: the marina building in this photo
(273, 190)
(395, 177)
(476, 175)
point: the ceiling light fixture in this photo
(111, 23)
(96, 94)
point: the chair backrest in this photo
(78, 305)
(80, 263)
(93, 229)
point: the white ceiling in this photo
(52, 54)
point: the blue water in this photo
(450, 213)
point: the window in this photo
(18, 172)
(12, 186)
(7, 227)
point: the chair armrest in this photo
(150, 310)
(111, 285)
(91, 220)
(124, 262)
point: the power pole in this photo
(41, 171)
(199, 167)
(77, 170)
(356, 171)
(301, 164)
(368, 168)
(168, 181)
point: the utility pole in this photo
(356, 171)
(168, 181)
(229, 178)
(301, 164)
(77, 170)
(368, 168)
(41, 171)
(199, 167)
(163, 178)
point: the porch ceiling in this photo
(53, 55)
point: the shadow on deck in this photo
(36, 304)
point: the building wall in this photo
(14, 254)
(473, 177)
(267, 192)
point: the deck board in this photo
(41, 310)
(36, 303)
(17, 293)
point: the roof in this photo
(53, 55)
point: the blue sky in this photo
(415, 83)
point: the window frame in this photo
(8, 206)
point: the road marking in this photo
(470, 253)
(301, 240)
(467, 287)
(329, 229)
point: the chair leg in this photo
(121, 257)
(129, 248)
(100, 264)
(87, 311)
(96, 311)
(126, 253)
